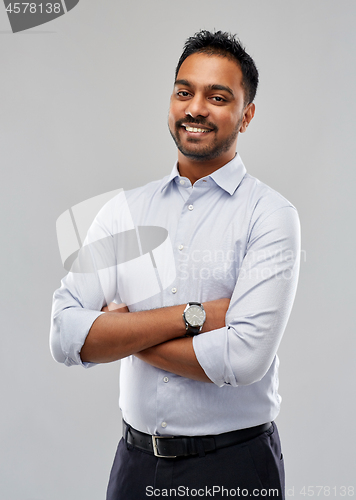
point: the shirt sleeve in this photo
(91, 284)
(242, 352)
(73, 312)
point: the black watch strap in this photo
(192, 330)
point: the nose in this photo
(196, 106)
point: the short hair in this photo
(225, 45)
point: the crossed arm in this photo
(145, 334)
(236, 351)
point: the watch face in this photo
(195, 316)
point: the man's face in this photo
(207, 107)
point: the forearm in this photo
(176, 356)
(116, 335)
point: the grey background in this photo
(84, 103)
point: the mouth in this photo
(196, 129)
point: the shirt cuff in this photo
(75, 324)
(210, 350)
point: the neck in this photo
(195, 170)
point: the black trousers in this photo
(252, 469)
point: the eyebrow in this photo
(214, 86)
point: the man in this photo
(208, 380)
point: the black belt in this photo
(183, 446)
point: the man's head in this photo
(216, 81)
(224, 45)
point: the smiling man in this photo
(199, 369)
(205, 118)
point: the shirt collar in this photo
(173, 175)
(227, 177)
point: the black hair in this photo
(225, 45)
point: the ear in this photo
(248, 114)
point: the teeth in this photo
(194, 129)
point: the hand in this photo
(114, 336)
(215, 314)
(117, 308)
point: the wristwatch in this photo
(194, 317)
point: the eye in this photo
(218, 98)
(183, 93)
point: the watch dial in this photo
(195, 316)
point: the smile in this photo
(195, 129)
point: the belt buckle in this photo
(155, 449)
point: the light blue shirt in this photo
(229, 235)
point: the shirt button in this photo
(174, 290)
(182, 182)
(180, 247)
(164, 424)
(190, 207)
(165, 379)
